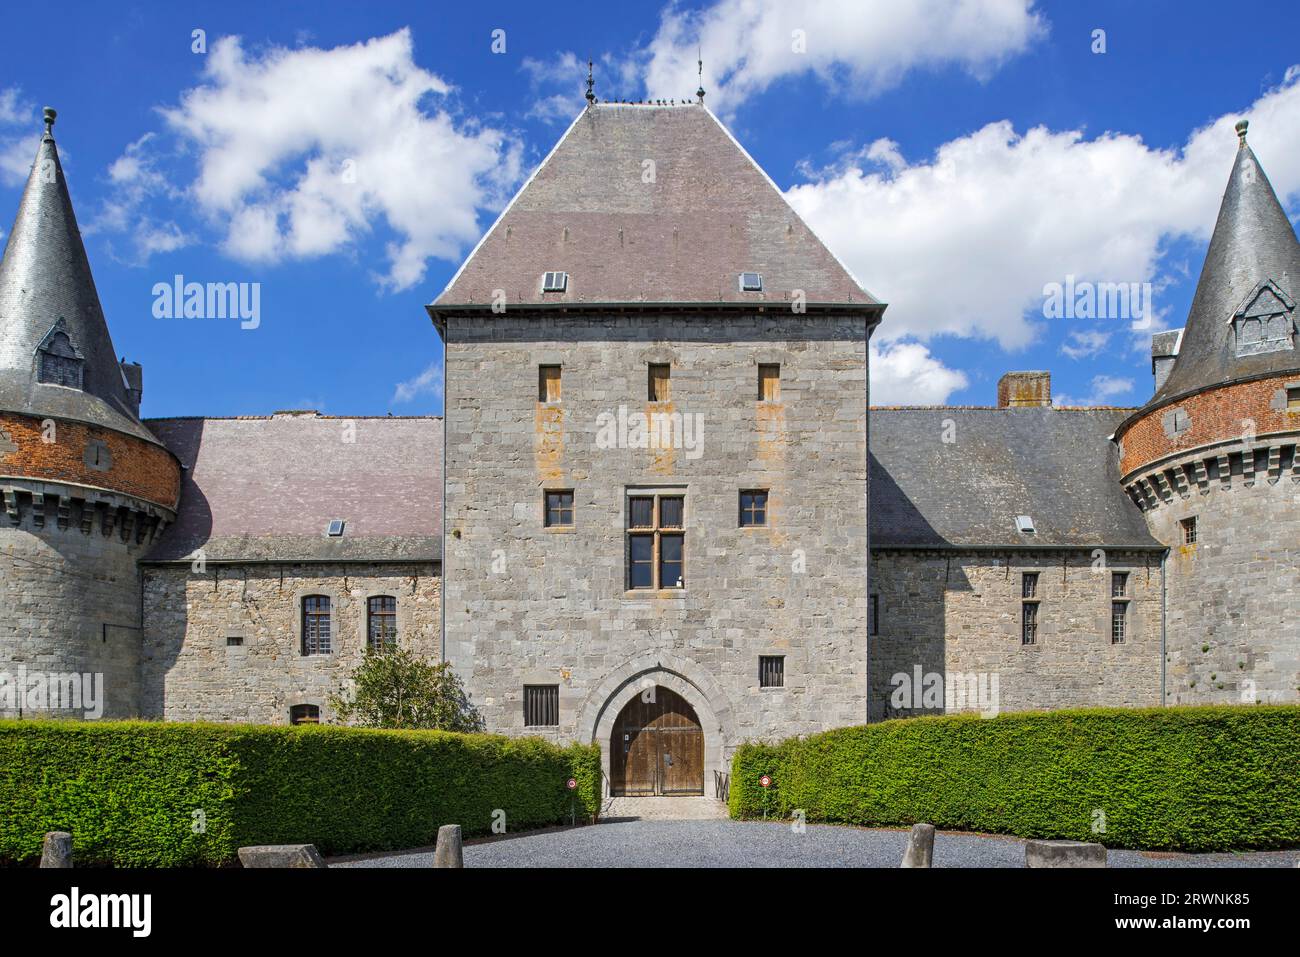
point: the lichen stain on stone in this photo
(548, 425)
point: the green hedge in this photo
(128, 791)
(1184, 778)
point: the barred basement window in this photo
(753, 508)
(316, 625)
(656, 542)
(1188, 526)
(660, 382)
(769, 383)
(559, 509)
(304, 714)
(771, 671)
(873, 615)
(548, 383)
(381, 623)
(541, 705)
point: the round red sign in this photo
(765, 781)
(572, 783)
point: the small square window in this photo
(1188, 526)
(541, 706)
(769, 383)
(555, 282)
(751, 282)
(660, 382)
(753, 508)
(235, 641)
(548, 383)
(559, 509)
(771, 671)
(1293, 398)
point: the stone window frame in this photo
(655, 493)
(336, 619)
(545, 687)
(390, 589)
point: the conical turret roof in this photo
(1252, 268)
(46, 288)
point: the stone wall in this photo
(959, 612)
(190, 672)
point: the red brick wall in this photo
(139, 468)
(1216, 416)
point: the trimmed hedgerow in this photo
(1179, 778)
(163, 795)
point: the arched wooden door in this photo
(657, 746)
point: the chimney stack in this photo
(1024, 389)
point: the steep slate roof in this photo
(1253, 241)
(265, 489)
(45, 277)
(709, 214)
(1057, 466)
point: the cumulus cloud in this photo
(1084, 344)
(904, 373)
(19, 137)
(964, 242)
(861, 47)
(1105, 390)
(303, 152)
(428, 382)
(135, 182)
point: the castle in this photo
(660, 512)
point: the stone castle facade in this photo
(673, 521)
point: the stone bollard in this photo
(281, 855)
(1064, 854)
(448, 851)
(56, 850)
(920, 846)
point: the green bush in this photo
(129, 791)
(1180, 778)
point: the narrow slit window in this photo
(769, 383)
(660, 382)
(873, 615)
(548, 383)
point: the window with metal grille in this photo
(769, 383)
(1029, 585)
(555, 282)
(1118, 621)
(541, 705)
(660, 382)
(873, 615)
(316, 625)
(304, 714)
(381, 623)
(1029, 623)
(656, 541)
(559, 509)
(771, 671)
(753, 508)
(1189, 530)
(548, 383)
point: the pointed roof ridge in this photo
(650, 206)
(1253, 248)
(46, 283)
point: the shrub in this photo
(129, 791)
(1179, 778)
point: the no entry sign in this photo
(571, 783)
(766, 781)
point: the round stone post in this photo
(56, 850)
(448, 852)
(920, 846)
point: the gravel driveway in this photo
(756, 844)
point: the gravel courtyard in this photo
(724, 843)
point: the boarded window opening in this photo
(548, 383)
(769, 383)
(660, 382)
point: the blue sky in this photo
(958, 156)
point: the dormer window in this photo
(1265, 321)
(555, 282)
(58, 361)
(751, 282)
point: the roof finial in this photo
(591, 96)
(700, 64)
(50, 114)
(1242, 126)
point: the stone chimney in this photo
(1018, 389)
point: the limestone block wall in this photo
(959, 612)
(528, 604)
(190, 671)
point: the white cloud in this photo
(1085, 344)
(135, 181)
(860, 46)
(17, 146)
(428, 382)
(963, 243)
(1105, 389)
(904, 373)
(302, 152)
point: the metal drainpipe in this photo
(1163, 607)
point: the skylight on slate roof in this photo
(336, 528)
(555, 282)
(751, 282)
(1024, 525)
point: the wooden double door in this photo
(657, 746)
